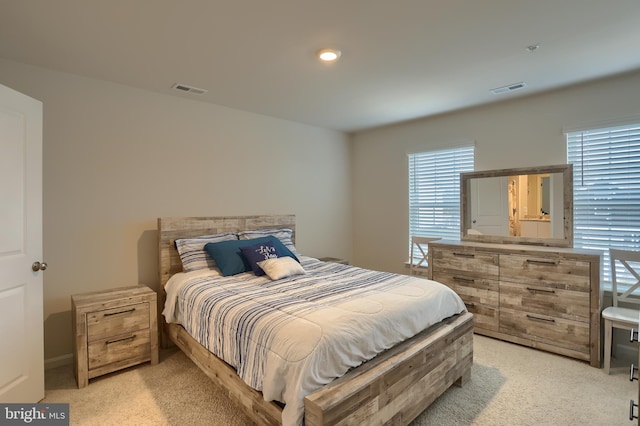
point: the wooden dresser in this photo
(113, 329)
(543, 297)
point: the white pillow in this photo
(281, 267)
(193, 254)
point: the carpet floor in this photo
(510, 385)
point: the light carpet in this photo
(510, 385)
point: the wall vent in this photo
(190, 89)
(509, 88)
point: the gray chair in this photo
(616, 316)
(419, 250)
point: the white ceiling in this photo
(401, 59)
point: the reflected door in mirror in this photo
(490, 206)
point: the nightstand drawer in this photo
(132, 346)
(122, 319)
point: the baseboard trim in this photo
(58, 361)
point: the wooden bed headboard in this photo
(172, 228)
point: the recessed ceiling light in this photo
(328, 55)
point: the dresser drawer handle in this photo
(634, 336)
(632, 405)
(539, 290)
(128, 311)
(108, 342)
(542, 262)
(464, 280)
(471, 255)
(470, 305)
(534, 318)
(632, 375)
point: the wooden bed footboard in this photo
(397, 385)
(394, 387)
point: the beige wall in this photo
(513, 133)
(116, 158)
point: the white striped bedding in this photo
(288, 338)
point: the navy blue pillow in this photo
(262, 251)
(229, 258)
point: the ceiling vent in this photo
(190, 89)
(509, 88)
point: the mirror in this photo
(532, 205)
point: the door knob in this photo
(37, 266)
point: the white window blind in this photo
(434, 191)
(606, 194)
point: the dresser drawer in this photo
(554, 302)
(120, 320)
(479, 295)
(572, 335)
(485, 317)
(471, 288)
(134, 347)
(542, 271)
(476, 263)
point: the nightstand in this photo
(113, 329)
(334, 260)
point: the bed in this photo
(393, 387)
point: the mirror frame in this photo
(567, 199)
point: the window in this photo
(434, 191)
(606, 191)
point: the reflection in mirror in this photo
(527, 205)
(530, 205)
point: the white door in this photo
(490, 206)
(21, 311)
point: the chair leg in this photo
(608, 329)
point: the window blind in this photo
(434, 191)
(606, 194)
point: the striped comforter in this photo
(289, 337)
